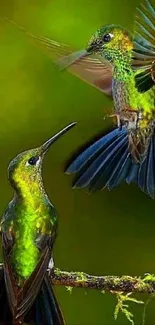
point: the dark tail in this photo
(45, 310)
(5, 314)
(108, 162)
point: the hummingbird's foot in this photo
(50, 266)
(134, 118)
(132, 122)
(128, 117)
(118, 119)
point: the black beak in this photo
(68, 60)
(48, 143)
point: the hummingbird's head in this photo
(110, 42)
(24, 170)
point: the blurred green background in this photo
(104, 233)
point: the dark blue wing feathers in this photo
(150, 180)
(108, 162)
(120, 171)
(142, 174)
(132, 174)
(99, 163)
(93, 151)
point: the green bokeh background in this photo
(104, 233)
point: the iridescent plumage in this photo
(29, 228)
(122, 65)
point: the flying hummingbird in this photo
(123, 66)
(29, 228)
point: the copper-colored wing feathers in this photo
(93, 70)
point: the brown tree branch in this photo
(124, 283)
(111, 283)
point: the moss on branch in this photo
(123, 283)
(111, 283)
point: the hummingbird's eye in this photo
(107, 38)
(33, 160)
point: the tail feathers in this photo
(108, 162)
(5, 314)
(111, 164)
(132, 175)
(93, 151)
(47, 310)
(143, 174)
(103, 164)
(146, 174)
(120, 171)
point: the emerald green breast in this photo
(28, 218)
(25, 254)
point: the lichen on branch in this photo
(111, 283)
(124, 283)
(121, 286)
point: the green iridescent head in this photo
(25, 169)
(109, 42)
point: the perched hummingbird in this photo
(122, 66)
(29, 228)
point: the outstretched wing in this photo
(92, 70)
(144, 46)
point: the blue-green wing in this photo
(144, 46)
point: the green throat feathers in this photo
(29, 223)
(32, 217)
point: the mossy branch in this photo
(125, 283)
(111, 283)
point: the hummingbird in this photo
(29, 229)
(122, 65)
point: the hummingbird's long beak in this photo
(48, 143)
(68, 60)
